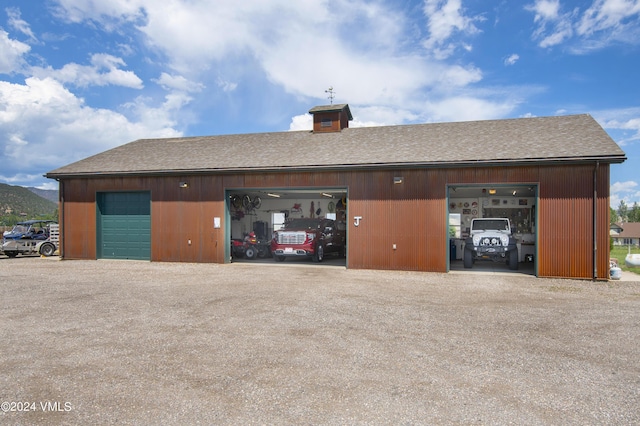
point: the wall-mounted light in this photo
(514, 192)
(271, 194)
(324, 194)
(492, 191)
(184, 184)
(397, 180)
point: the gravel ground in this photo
(124, 342)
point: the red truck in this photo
(310, 237)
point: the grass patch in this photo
(620, 252)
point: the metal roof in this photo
(574, 138)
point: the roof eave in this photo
(328, 167)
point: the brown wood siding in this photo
(411, 215)
(566, 222)
(565, 214)
(603, 218)
(336, 123)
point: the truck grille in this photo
(292, 237)
(491, 242)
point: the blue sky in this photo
(78, 77)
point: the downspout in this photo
(595, 221)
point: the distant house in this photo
(626, 234)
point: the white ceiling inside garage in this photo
(523, 191)
(461, 191)
(293, 194)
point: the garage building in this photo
(406, 193)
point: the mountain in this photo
(49, 194)
(20, 201)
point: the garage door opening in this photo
(309, 225)
(517, 203)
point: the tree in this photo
(623, 211)
(613, 215)
(634, 213)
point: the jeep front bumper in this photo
(487, 251)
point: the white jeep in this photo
(490, 238)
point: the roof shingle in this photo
(541, 139)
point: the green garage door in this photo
(124, 225)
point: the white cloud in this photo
(545, 10)
(382, 115)
(21, 178)
(16, 22)
(628, 186)
(624, 191)
(446, 18)
(103, 71)
(608, 15)
(604, 22)
(296, 46)
(626, 121)
(46, 126)
(108, 13)
(50, 185)
(466, 108)
(226, 86)
(178, 83)
(548, 14)
(512, 59)
(11, 53)
(301, 122)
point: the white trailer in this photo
(32, 237)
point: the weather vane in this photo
(331, 93)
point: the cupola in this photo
(330, 118)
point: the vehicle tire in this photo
(236, 201)
(251, 253)
(47, 249)
(11, 253)
(468, 259)
(246, 202)
(279, 258)
(513, 259)
(319, 255)
(256, 202)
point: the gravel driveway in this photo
(125, 342)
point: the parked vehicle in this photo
(311, 237)
(491, 239)
(250, 247)
(32, 237)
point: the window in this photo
(326, 122)
(454, 225)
